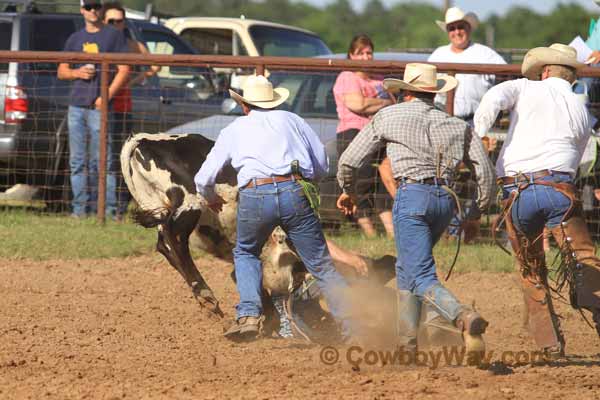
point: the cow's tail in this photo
(160, 215)
(126, 156)
(147, 218)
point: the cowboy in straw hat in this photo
(421, 78)
(557, 54)
(458, 25)
(547, 135)
(259, 92)
(415, 134)
(261, 146)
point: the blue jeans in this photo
(260, 210)
(421, 214)
(538, 206)
(84, 152)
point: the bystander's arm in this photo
(117, 83)
(148, 73)
(359, 104)
(66, 73)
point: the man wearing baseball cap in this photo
(84, 109)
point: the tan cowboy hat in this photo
(421, 78)
(455, 14)
(557, 54)
(259, 92)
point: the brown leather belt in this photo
(424, 181)
(528, 177)
(272, 179)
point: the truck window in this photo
(50, 35)
(5, 38)
(273, 41)
(165, 43)
(215, 41)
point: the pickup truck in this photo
(246, 37)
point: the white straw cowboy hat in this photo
(455, 14)
(557, 54)
(421, 78)
(259, 92)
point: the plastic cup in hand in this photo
(91, 68)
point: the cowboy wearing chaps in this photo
(424, 145)
(548, 132)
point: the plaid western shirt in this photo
(421, 142)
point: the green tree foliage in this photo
(402, 25)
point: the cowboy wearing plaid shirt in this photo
(425, 145)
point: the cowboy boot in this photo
(574, 240)
(409, 313)
(469, 323)
(542, 321)
(245, 329)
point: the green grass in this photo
(477, 257)
(37, 236)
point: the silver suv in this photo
(33, 102)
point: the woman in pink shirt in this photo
(358, 96)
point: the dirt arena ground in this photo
(130, 329)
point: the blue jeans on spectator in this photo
(260, 210)
(84, 153)
(421, 214)
(539, 205)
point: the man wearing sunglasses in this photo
(84, 108)
(471, 88)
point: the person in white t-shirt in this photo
(549, 129)
(461, 49)
(471, 88)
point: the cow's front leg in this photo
(174, 245)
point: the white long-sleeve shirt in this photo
(549, 125)
(471, 87)
(263, 144)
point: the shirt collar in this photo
(559, 84)
(417, 100)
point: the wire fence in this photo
(189, 95)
